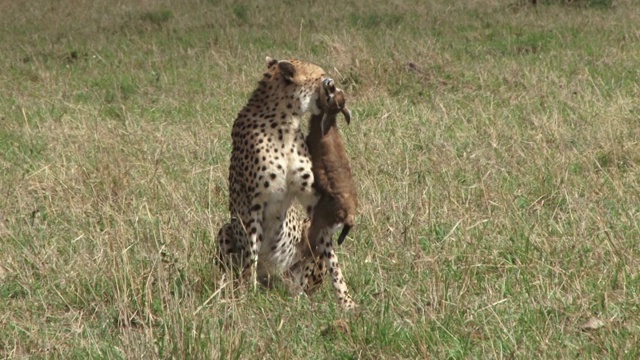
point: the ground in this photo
(495, 146)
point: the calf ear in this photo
(347, 115)
(270, 61)
(287, 70)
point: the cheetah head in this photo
(306, 82)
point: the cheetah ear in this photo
(287, 70)
(270, 61)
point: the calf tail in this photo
(344, 233)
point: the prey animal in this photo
(333, 180)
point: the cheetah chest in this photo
(288, 175)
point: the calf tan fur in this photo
(332, 174)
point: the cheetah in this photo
(270, 166)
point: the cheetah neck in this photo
(308, 102)
(282, 102)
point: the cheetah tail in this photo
(344, 233)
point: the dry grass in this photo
(495, 145)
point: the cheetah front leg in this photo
(322, 247)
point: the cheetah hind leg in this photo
(314, 274)
(231, 254)
(306, 276)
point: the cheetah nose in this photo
(347, 114)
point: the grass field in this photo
(496, 146)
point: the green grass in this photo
(495, 145)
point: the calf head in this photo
(333, 101)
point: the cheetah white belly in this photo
(277, 251)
